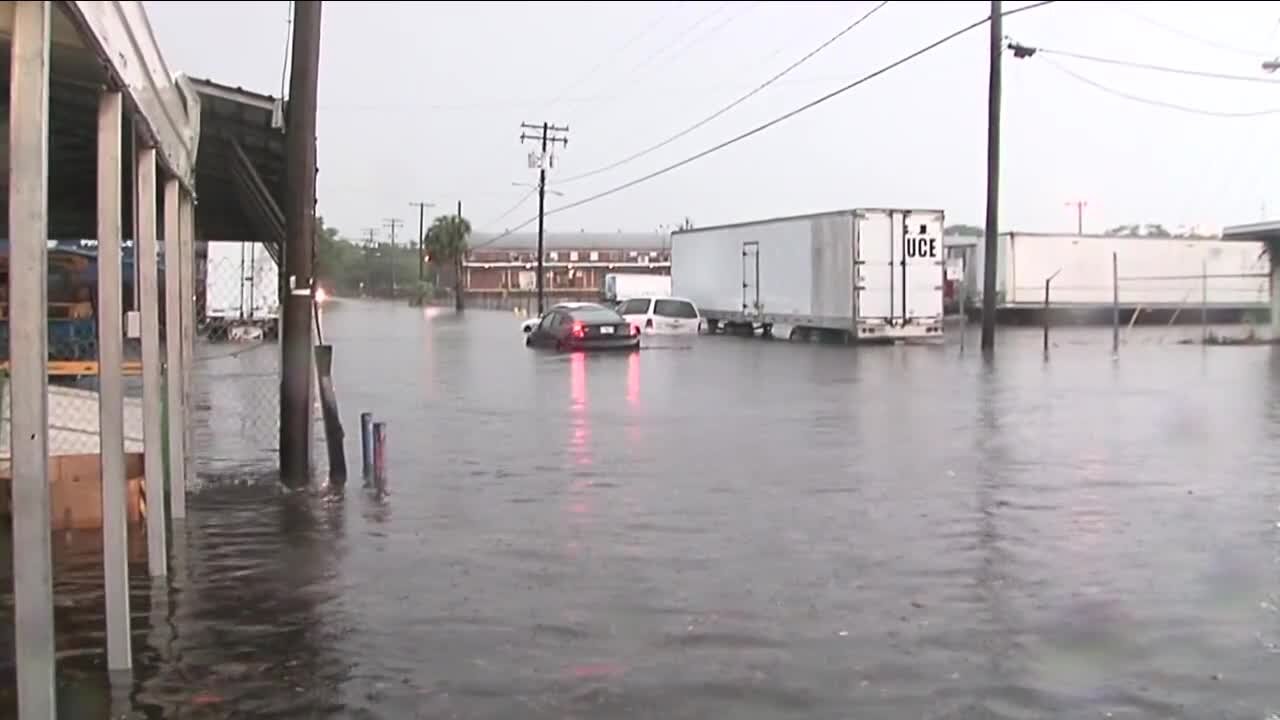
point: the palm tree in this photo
(447, 240)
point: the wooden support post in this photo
(115, 490)
(173, 349)
(187, 234)
(28, 354)
(152, 402)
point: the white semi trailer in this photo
(1153, 272)
(865, 274)
(242, 292)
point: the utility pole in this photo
(457, 268)
(548, 134)
(370, 244)
(1079, 205)
(300, 227)
(392, 224)
(993, 182)
(422, 239)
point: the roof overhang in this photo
(166, 110)
(1268, 232)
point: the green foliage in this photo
(447, 237)
(347, 268)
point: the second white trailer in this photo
(872, 274)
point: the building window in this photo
(573, 256)
(555, 256)
(635, 254)
(595, 256)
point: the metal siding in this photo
(832, 262)
(1084, 267)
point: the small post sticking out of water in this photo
(380, 453)
(1044, 315)
(366, 445)
(1204, 301)
(1115, 305)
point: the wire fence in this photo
(236, 363)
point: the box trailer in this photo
(867, 274)
(1153, 272)
(242, 292)
(624, 286)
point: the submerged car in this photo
(662, 315)
(584, 327)
(528, 325)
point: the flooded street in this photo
(726, 528)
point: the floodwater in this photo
(726, 528)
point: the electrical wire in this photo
(738, 11)
(1154, 67)
(684, 34)
(1207, 42)
(1157, 103)
(731, 105)
(523, 199)
(605, 61)
(288, 46)
(811, 104)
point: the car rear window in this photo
(596, 315)
(675, 309)
(638, 306)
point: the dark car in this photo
(585, 327)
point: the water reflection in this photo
(735, 529)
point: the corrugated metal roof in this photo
(572, 241)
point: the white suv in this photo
(662, 315)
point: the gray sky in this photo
(423, 101)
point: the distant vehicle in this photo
(242, 292)
(860, 274)
(624, 286)
(588, 327)
(662, 315)
(528, 325)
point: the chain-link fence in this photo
(236, 364)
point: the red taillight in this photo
(578, 329)
(635, 330)
(649, 323)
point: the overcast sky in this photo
(423, 101)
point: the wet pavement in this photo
(726, 528)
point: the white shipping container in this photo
(241, 282)
(873, 273)
(1153, 272)
(624, 286)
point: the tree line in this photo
(352, 268)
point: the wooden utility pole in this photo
(547, 135)
(392, 224)
(422, 239)
(1079, 205)
(300, 227)
(993, 182)
(457, 267)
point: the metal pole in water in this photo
(1044, 315)
(1115, 304)
(380, 452)
(366, 444)
(1204, 301)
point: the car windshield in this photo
(595, 315)
(682, 309)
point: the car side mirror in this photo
(528, 328)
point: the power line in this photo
(733, 104)
(1157, 103)
(523, 199)
(1207, 42)
(737, 12)
(1020, 50)
(605, 61)
(687, 31)
(811, 104)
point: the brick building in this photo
(503, 272)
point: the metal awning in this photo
(1268, 231)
